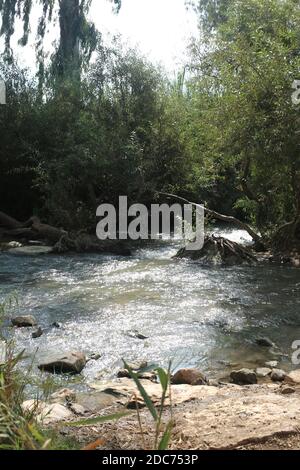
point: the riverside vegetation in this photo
(96, 121)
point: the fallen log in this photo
(259, 244)
(61, 240)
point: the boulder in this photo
(278, 375)
(189, 377)
(70, 363)
(24, 321)
(294, 376)
(96, 401)
(243, 377)
(263, 372)
(47, 413)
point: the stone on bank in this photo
(243, 377)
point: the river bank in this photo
(206, 417)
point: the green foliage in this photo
(242, 88)
(18, 431)
(79, 146)
(225, 134)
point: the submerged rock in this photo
(26, 321)
(243, 377)
(189, 377)
(70, 363)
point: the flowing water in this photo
(195, 315)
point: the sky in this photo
(160, 28)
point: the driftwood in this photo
(224, 218)
(61, 240)
(219, 251)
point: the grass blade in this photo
(165, 440)
(143, 392)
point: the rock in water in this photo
(278, 375)
(24, 321)
(189, 377)
(38, 333)
(136, 334)
(70, 363)
(243, 377)
(265, 342)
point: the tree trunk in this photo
(68, 57)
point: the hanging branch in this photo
(224, 218)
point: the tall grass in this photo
(18, 429)
(163, 432)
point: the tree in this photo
(212, 12)
(78, 36)
(245, 79)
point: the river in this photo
(194, 315)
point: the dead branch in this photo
(224, 218)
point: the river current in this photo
(194, 315)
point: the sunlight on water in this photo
(197, 316)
